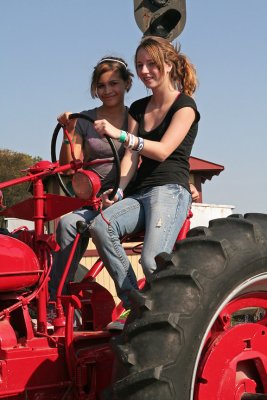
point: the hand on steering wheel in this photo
(74, 117)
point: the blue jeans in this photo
(65, 235)
(159, 211)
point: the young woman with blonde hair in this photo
(162, 129)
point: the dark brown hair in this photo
(110, 63)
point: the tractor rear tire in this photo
(180, 341)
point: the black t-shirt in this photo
(175, 169)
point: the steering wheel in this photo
(111, 143)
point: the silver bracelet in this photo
(131, 141)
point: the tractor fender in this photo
(19, 265)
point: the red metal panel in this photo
(19, 265)
(55, 206)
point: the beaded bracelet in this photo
(123, 136)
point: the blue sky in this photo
(48, 49)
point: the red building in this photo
(200, 171)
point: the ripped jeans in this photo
(159, 211)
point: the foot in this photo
(119, 323)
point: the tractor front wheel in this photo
(199, 332)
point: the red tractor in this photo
(198, 332)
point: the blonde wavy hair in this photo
(183, 73)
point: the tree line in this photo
(12, 165)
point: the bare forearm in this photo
(129, 165)
(75, 142)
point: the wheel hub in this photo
(234, 361)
